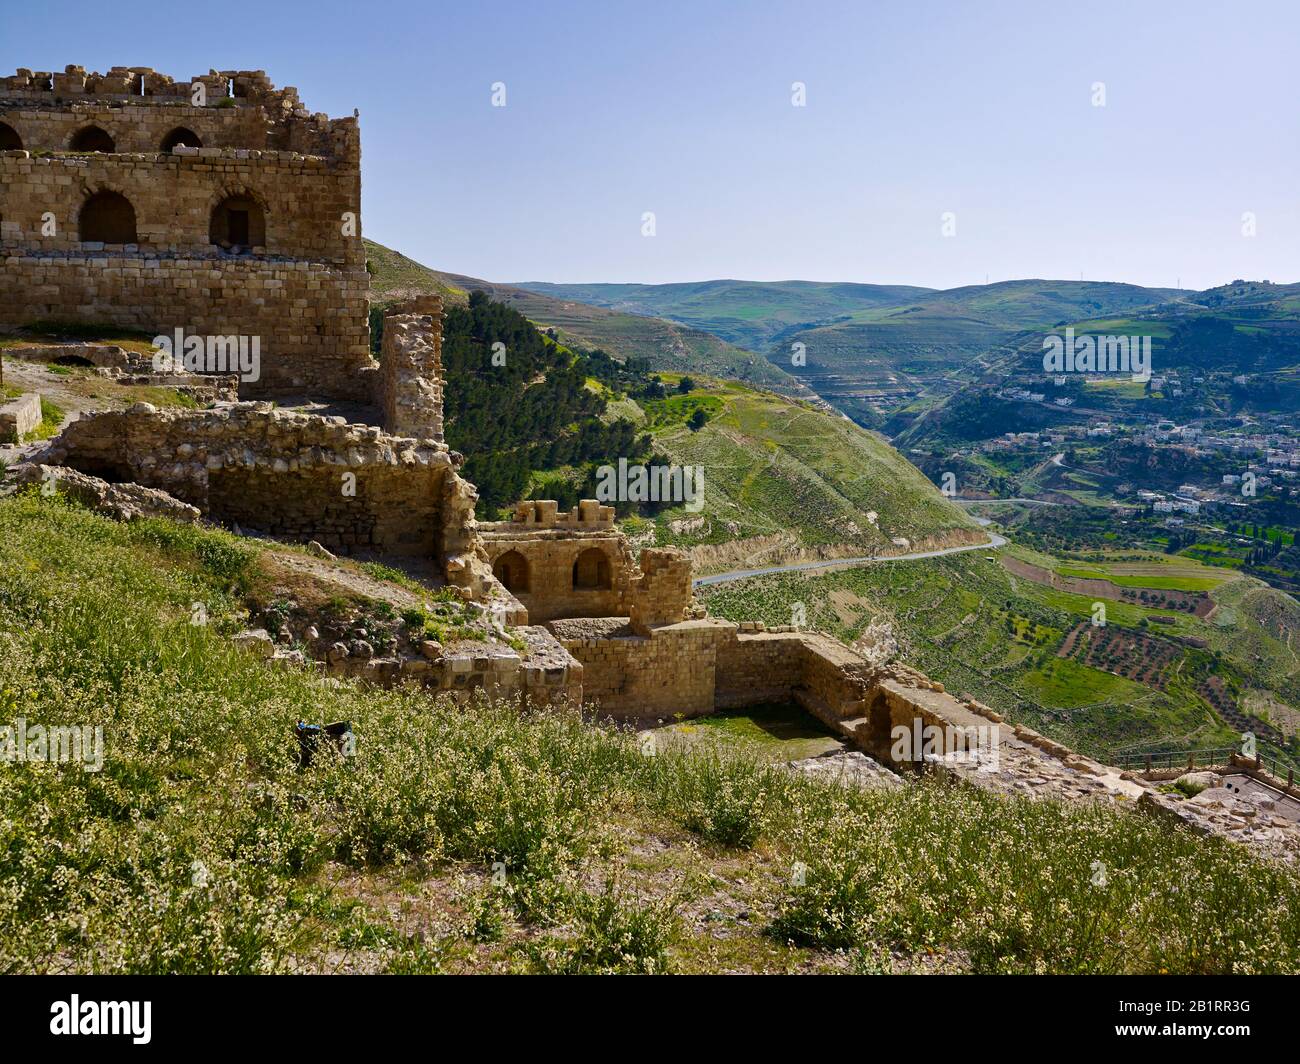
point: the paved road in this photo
(994, 543)
(1028, 502)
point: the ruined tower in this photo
(219, 206)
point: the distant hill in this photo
(664, 344)
(751, 314)
(784, 478)
(871, 350)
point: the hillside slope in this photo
(203, 846)
(786, 481)
(871, 350)
(664, 344)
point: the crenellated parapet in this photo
(218, 205)
(138, 109)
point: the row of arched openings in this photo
(237, 223)
(95, 139)
(590, 571)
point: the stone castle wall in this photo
(539, 557)
(138, 108)
(299, 286)
(543, 577)
(669, 671)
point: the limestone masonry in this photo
(129, 199)
(124, 203)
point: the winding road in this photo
(995, 541)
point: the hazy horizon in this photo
(983, 120)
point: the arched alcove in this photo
(107, 217)
(238, 223)
(178, 137)
(591, 571)
(92, 138)
(512, 570)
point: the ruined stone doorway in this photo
(238, 223)
(512, 570)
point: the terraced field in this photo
(979, 628)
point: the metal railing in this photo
(1223, 757)
(1161, 760)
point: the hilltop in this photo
(751, 314)
(787, 481)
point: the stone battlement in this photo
(534, 515)
(138, 108)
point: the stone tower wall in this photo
(301, 290)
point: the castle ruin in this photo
(218, 205)
(222, 207)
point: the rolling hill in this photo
(751, 314)
(664, 344)
(872, 351)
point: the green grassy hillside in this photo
(664, 344)
(202, 846)
(874, 351)
(775, 467)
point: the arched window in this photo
(512, 570)
(178, 137)
(107, 217)
(238, 224)
(9, 138)
(91, 138)
(591, 570)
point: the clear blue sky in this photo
(615, 108)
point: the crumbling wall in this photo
(663, 592)
(19, 416)
(138, 107)
(543, 556)
(301, 476)
(552, 570)
(668, 672)
(410, 394)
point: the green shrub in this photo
(613, 933)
